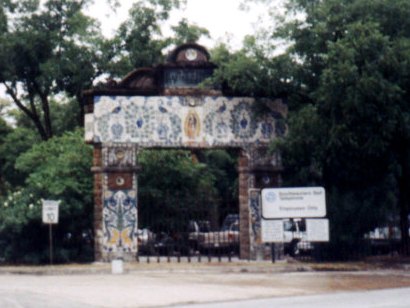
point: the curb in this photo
(214, 268)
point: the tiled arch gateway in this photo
(167, 107)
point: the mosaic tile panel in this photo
(175, 121)
(119, 155)
(89, 127)
(256, 214)
(120, 219)
(261, 156)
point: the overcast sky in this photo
(223, 18)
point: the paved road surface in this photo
(391, 298)
(24, 299)
(170, 288)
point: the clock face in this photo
(120, 181)
(191, 54)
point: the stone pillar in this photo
(266, 168)
(257, 251)
(257, 169)
(244, 219)
(115, 195)
(98, 202)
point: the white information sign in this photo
(50, 211)
(272, 231)
(293, 202)
(317, 230)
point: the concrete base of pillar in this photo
(126, 256)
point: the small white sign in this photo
(317, 230)
(293, 202)
(272, 231)
(50, 211)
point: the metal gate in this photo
(188, 233)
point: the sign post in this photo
(50, 217)
(296, 202)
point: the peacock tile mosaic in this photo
(176, 121)
(120, 219)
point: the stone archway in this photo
(164, 107)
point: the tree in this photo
(45, 52)
(351, 134)
(4, 131)
(139, 41)
(59, 169)
(222, 164)
(198, 185)
(180, 190)
(363, 94)
(251, 71)
(187, 33)
(15, 143)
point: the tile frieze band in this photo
(174, 121)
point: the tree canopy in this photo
(46, 51)
(345, 74)
(58, 169)
(349, 128)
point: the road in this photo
(26, 299)
(391, 298)
(154, 288)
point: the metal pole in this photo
(50, 233)
(273, 252)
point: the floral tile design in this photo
(175, 121)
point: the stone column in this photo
(257, 169)
(244, 179)
(115, 193)
(266, 168)
(98, 202)
(257, 251)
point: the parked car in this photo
(384, 240)
(144, 236)
(195, 230)
(146, 240)
(231, 219)
(226, 238)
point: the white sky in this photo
(223, 18)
